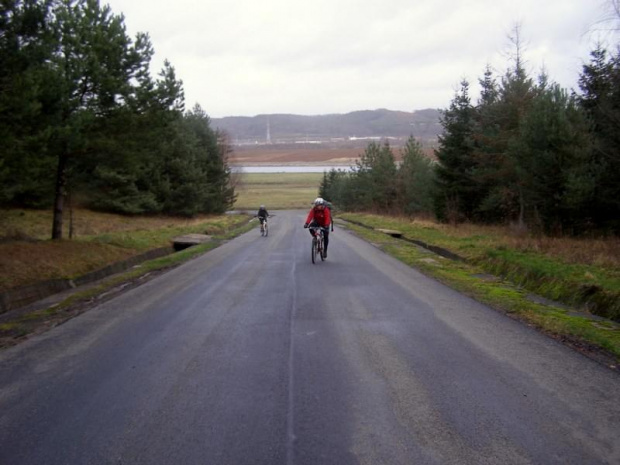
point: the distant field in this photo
(277, 191)
(274, 154)
(306, 154)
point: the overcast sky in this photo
(249, 57)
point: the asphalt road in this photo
(250, 354)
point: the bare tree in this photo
(609, 23)
(615, 8)
(235, 179)
(517, 52)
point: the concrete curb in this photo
(433, 248)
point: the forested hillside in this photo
(423, 124)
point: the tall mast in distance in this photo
(268, 138)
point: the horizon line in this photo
(322, 114)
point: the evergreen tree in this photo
(416, 180)
(96, 67)
(78, 100)
(553, 147)
(212, 160)
(516, 94)
(499, 113)
(456, 189)
(328, 185)
(373, 180)
(26, 42)
(488, 148)
(125, 171)
(334, 188)
(600, 98)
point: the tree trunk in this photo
(70, 205)
(521, 211)
(61, 180)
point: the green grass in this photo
(277, 191)
(518, 275)
(595, 288)
(553, 273)
(147, 239)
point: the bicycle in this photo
(317, 243)
(264, 229)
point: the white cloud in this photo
(242, 57)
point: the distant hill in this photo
(423, 124)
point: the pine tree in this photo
(488, 148)
(78, 100)
(212, 158)
(95, 67)
(553, 146)
(416, 179)
(500, 112)
(600, 98)
(374, 176)
(334, 188)
(456, 189)
(26, 42)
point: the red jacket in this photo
(322, 217)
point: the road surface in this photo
(250, 354)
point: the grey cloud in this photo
(327, 56)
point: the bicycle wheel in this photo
(266, 229)
(314, 247)
(322, 249)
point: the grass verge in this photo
(480, 277)
(17, 328)
(102, 239)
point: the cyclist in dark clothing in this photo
(320, 215)
(262, 214)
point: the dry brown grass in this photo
(53, 260)
(598, 252)
(603, 251)
(279, 191)
(27, 255)
(21, 224)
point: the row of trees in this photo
(532, 153)
(378, 183)
(82, 119)
(527, 152)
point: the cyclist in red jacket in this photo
(320, 215)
